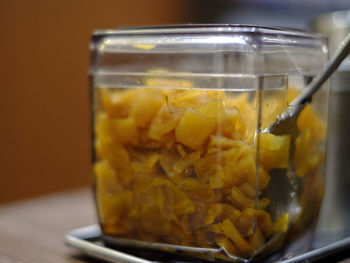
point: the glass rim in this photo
(207, 29)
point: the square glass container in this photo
(180, 159)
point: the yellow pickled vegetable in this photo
(124, 131)
(164, 122)
(184, 166)
(238, 240)
(194, 129)
(145, 106)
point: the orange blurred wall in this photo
(44, 102)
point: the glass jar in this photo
(181, 161)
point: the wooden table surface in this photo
(32, 230)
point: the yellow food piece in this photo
(269, 159)
(256, 240)
(104, 138)
(281, 224)
(148, 159)
(175, 165)
(186, 166)
(219, 212)
(263, 203)
(208, 166)
(166, 201)
(275, 143)
(241, 201)
(246, 223)
(227, 245)
(145, 106)
(235, 116)
(164, 122)
(106, 178)
(124, 131)
(153, 222)
(307, 156)
(183, 205)
(227, 168)
(231, 232)
(264, 178)
(119, 159)
(196, 190)
(115, 208)
(248, 190)
(205, 235)
(247, 110)
(194, 98)
(308, 119)
(309, 152)
(239, 166)
(178, 235)
(274, 150)
(117, 104)
(214, 109)
(223, 143)
(264, 221)
(194, 129)
(144, 162)
(181, 150)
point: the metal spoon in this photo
(282, 189)
(285, 123)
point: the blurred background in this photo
(44, 102)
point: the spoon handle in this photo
(342, 51)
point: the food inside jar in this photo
(184, 166)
